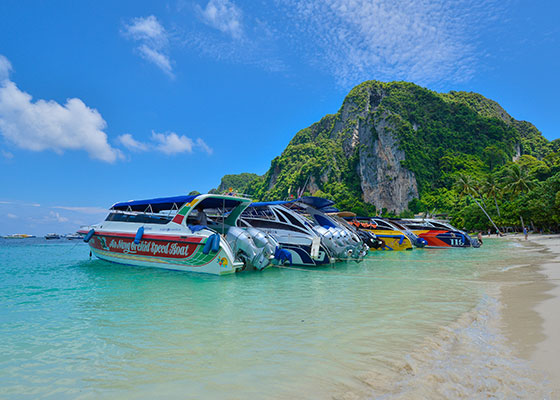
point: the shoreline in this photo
(530, 318)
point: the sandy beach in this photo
(531, 320)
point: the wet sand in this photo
(531, 311)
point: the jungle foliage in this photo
(445, 136)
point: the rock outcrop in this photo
(391, 142)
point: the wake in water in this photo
(469, 359)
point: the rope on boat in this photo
(71, 248)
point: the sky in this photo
(104, 101)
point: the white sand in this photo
(547, 353)
(533, 319)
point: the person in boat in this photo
(480, 237)
(201, 217)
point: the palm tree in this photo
(492, 189)
(518, 180)
(465, 185)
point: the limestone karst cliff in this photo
(391, 142)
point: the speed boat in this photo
(392, 237)
(344, 242)
(438, 233)
(51, 236)
(305, 231)
(166, 233)
(294, 233)
(18, 236)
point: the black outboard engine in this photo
(372, 241)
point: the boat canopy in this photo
(318, 203)
(174, 203)
(154, 205)
(271, 203)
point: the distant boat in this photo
(393, 237)
(74, 236)
(50, 236)
(18, 236)
(438, 233)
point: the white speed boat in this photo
(166, 233)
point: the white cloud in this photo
(153, 41)
(5, 68)
(159, 59)
(132, 144)
(54, 216)
(6, 154)
(172, 143)
(12, 216)
(167, 143)
(202, 145)
(418, 40)
(148, 29)
(223, 15)
(47, 125)
(83, 210)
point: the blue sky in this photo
(109, 101)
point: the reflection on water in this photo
(398, 325)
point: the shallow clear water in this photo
(73, 327)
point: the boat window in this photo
(259, 212)
(439, 225)
(139, 218)
(382, 224)
(417, 226)
(293, 220)
(265, 224)
(398, 225)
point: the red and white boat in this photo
(164, 233)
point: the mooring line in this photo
(70, 249)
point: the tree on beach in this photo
(492, 189)
(518, 180)
(465, 186)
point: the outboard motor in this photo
(370, 239)
(473, 241)
(254, 247)
(331, 240)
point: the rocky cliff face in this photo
(384, 182)
(391, 142)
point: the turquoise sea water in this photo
(74, 327)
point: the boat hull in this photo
(301, 255)
(441, 238)
(176, 253)
(392, 240)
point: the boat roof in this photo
(271, 203)
(318, 203)
(171, 203)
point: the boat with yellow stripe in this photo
(393, 238)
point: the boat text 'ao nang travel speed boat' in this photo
(195, 233)
(438, 233)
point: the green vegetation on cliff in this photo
(349, 155)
